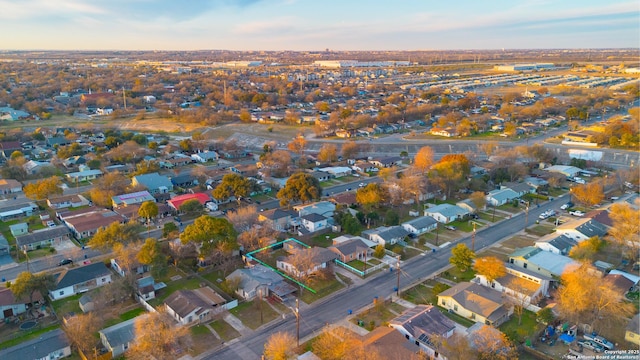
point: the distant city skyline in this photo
(317, 25)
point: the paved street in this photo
(335, 308)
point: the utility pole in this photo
(298, 322)
(364, 273)
(27, 256)
(437, 227)
(493, 217)
(260, 306)
(398, 271)
(526, 216)
(473, 238)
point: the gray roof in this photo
(44, 235)
(553, 263)
(421, 222)
(258, 275)
(276, 214)
(503, 195)
(478, 299)
(122, 333)
(37, 348)
(350, 246)
(447, 210)
(313, 217)
(81, 274)
(560, 242)
(184, 302)
(387, 233)
(153, 181)
(592, 228)
(424, 320)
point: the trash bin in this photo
(349, 311)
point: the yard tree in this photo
(109, 185)
(191, 207)
(586, 250)
(280, 346)
(300, 187)
(423, 159)
(232, 185)
(208, 231)
(328, 153)
(180, 252)
(148, 210)
(588, 194)
(583, 297)
(478, 199)
(107, 238)
(256, 237)
(297, 145)
(519, 295)
(455, 346)
(158, 336)
(244, 218)
(350, 149)
(488, 147)
(626, 227)
(379, 251)
(277, 163)
(413, 187)
(151, 254)
(81, 330)
(370, 196)
(491, 267)
(492, 344)
(43, 189)
(387, 174)
(462, 257)
(450, 171)
(545, 316)
(170, 229)
(337, 343)
(27, 283)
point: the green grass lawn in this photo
(172, 286)
(67, 305)
(457, 318)
(323, 240)
(199, 330)
(421, 293)
(131, 314)
(488, 216)
(226, 331)
(519, 332)
(507, 208)
(249, 313)
(466, 225)
(454, 274)
(378, 315)
(38, 253)
(322, 288)
(539, 230)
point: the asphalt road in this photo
(336, 307)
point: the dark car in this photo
(65, 262)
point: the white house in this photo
(421, 325)
(501, 196)
(386, 235)
(421, 225)
(518, 283)
(314, 222)
(47, 346)
(81, 279)
(581, 229)
(118, 338)
(446, 213)
(206, 156)
(319, 259)
(189, 306)
(324, 208)
(555, 243)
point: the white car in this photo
(566, 206)
(576, 213)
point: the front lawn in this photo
(488, 216)
(322, 289)
(456, 275)
(249, 313)
(539, 230)
(380, 314)
(466, 225)
(224, 330)
(423, 293)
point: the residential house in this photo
(33, 167)
(320, 175)
(260, 281)
(62, 202)
(364, 167)
(391, 345)
(86, 222)
(536, 183)
(386, 234)
(618, 283)
(446, 132)
(476, 302)
(84, 175)
(337, 171)
(11, 114)
(8, 147)
(388, 161)
(352, 249)
(184, 180)
(314, 222)
(42, 238)
(581, 229)
(635, 279)
(119, 337)
(176, 202)
(421, 225)
(138, 269)
(87, 303)
(81, 279)
(279, 220)
(519, 188)
(519, 283)
(131, 199)
(4, 246)
(17, 211)
(541, 262)
(189, 306)
(346, 198)
(19, 229)
(54, 141)
(11, 306)
(74, 161)
(423, 324)
(207, 156)
(501, 196)
(557, 244)
(10, 186)
(50, 345)
(318, 259)
(147, 287)
(632, 332)
(446, 213)
(324, 208)
(568, 171)
(601, 216)
(247, 170)
(468, 205)
(153, 182)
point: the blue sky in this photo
(317, 24)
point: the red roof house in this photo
(177, 201)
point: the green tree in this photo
(27, 283)
(43, 189)
(209, 232)
(151, 254)
(115, 234)
(169, 228)
(192, 206)
(300, 187)
(391, 218)
(232, 185)
(462, 257)
(379, 251)
(186, 145)
(94, 164)
(148, 210)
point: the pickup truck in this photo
(591, 345)
(599, 340)
(576, 213)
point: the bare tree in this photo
(280, 346)
(81, 330)
(159, 337)
(244, 218)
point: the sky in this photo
(311, 25)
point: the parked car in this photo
(65, 262)
(566, 206)
(450, 227)
(577, 213)
(361, 185)
(591, 345)
(600, 340)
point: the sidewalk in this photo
(236, 324)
